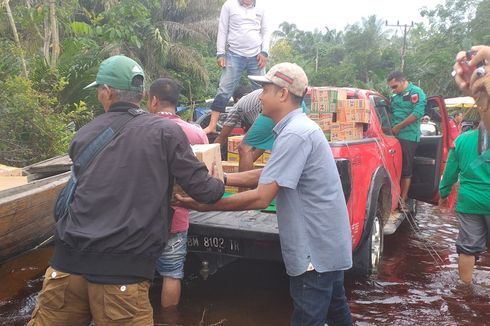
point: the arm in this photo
(191, 174)
(223, 135)
(265, 32)
(258, 198)
(451, 173)
(408, 121)
(248, 179)
(264, 50)
(417, 113)
(222, 31)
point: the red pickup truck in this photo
(370, 171)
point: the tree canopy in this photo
(51, 49)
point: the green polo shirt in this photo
(474, 175)
(411, 101)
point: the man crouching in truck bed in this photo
(312, 215)
(106, 248)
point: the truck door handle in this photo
(392, 151)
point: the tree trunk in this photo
(16, 37)
(55, 47)
(316, 59)
(47, 41)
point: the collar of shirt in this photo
(284, 121)
(167, 114)
(122, 107)
(251, 6)
(407, 90)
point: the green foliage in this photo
(30, 130)
(363, 54)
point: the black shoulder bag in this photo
(65, 197)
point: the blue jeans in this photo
(171, 261)
(319, 298)
(230, 78)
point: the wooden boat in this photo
(26, 215)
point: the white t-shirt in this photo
(242, 30)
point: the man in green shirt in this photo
(470, 161)
(473, 205)
(408, 107)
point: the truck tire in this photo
(368, 255)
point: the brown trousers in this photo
(68, 299)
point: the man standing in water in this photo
(105, 249)
(312, 216)
(469, 161)
(163, 98)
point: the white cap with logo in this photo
(287, 75)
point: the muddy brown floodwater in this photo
(417, 285)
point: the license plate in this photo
(202, 243)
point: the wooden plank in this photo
(56, 164)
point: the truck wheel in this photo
(376, 244)
(367, 257)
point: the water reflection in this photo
(417, 285)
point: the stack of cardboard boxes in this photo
(231, 165)
(233, 156)
(340, 118)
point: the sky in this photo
(311, 14)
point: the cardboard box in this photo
(341, 94)
(353, 115)
(323, 99)
(314, 116)
(231, 189)
(266, 156)
(259, 165)
(229, 166)
(210, 154)
(325, 121)
(233, 157)
(233, 143)
(345, 131)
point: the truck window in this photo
(381, 108)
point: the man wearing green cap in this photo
(118, 222)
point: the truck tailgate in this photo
(249, 234)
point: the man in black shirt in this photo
(106, 248)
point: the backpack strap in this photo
(101, 140)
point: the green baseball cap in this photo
(118, 72)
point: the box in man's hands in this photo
(210, 155)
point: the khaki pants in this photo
(68, 299)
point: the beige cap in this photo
(287, 75)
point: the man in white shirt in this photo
(242, 45)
